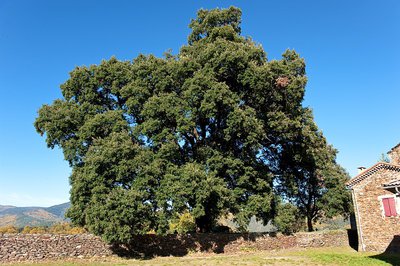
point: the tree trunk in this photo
(309, 224)
(204, 224)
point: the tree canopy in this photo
(216, 128)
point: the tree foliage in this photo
(309, 177)
(384, 158)
(288, 218)
(205, 132)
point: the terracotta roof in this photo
(395, 183)
(370, 171)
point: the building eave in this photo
(370, 171)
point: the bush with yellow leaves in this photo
(8, 230)
(183, 224)
(65, 228)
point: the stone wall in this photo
(26, 247)
(33, 247)
(394, 154)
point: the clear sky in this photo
(352, 51)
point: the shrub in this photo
(288, 219)
(65, 228)
(8, 230)
(77, 231)
(38, 230)
(185, 223)
(26, 230)
(59, 228)
(34, 230)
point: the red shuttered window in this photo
(389, 206)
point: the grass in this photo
(311, 256)
(345, 256)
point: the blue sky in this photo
(352, 51)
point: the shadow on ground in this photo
(149, 246)
(392, 253)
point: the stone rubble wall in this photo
(35, 247)
(38, 247)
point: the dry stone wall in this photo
(34, 247)
(26, 247)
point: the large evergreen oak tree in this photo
(216, 128)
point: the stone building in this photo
(375, 193)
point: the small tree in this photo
(309, 176)
(384, 158)
(288, 219)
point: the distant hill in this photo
(32, 216)
(59, 210)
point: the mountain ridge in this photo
(32, 216)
